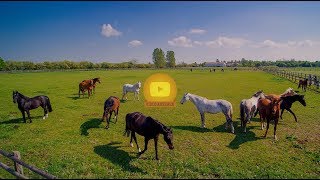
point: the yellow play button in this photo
(159, 89)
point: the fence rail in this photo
(18, 172)
(313, 80)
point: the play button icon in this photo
(159, 89)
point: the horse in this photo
(148, 127)
(248, 107)
(288, 101)
(303, 84)
(95, 80)
(210, 106)
(287, 92)
(269, 109)
(25, 104)
(131, 88)
(222, 70)
(86, 85)
(112, 104)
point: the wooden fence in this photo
(313, 80)
(18, 169)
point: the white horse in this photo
(210, 106)
(131, 88)
(248, 108)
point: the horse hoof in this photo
(131, 144)
(139, 150)
(44, 117)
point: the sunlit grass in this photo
(72, 142)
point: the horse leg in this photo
(24, 116)
(295, 118)
(156, 146)
(281, 113)
(275, 128)
(45, 112)
(103, 116)
(229, 122)
(28, 112)
(110, 116)
(138, 96)
(268, 122)
(116, 114)
(202, 120)
(146, 140)
(133, 135)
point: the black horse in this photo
(288, 101)
(149, 128)
(25, 104)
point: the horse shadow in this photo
(117, 156)
(20, 120)
(192, 128)
(92, 123)
(241, 137)
(75, 97)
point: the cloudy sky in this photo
(195, 31)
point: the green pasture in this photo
(72, 142)
(304, 70)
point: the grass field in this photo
(305, 70)
(72, 142)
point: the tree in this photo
(171, 60)
(2, 64)
(158, 58)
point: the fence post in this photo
(17, 166)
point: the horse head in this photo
(259, 94)
(97, 80)
(15, 96)
(301, 100)
(184, 98)
(275, 106)
(139, 84)
(168, 137)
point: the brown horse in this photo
(148, 127)
(303, 84)
(88, 85)
(112, 104)
(270, 110)
(95, 80)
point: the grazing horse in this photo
(303, 84)
(25, 104)
(269, 109)
(211, 106)
(248, 107)
(112, 104)
(148, 127)
(95, 80)
(131, 88)
(288, 101)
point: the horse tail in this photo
(49, 104)
(127, 129)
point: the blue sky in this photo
(195, 31)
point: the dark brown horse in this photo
(288, 101)
(148, 127)
(270, 110)
(112, 104)
(95, 80)
(303, 84)
(88, 85)
(25, 104)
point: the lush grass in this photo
(305, 70)
(72, 142)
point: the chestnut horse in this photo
(270, 110)
(112, 104)
(88, 85)
(148, 127)
(303, 84)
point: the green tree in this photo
(2, 64)
(158, 58)
(171, 60)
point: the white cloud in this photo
(197, 31)
(228, 42)
(108, 31)
(198, 43)
(181, 41)
(134, 43)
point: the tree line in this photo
(160, 60)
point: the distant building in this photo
(215, 64)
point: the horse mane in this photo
(159, 124)
(22, 96)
